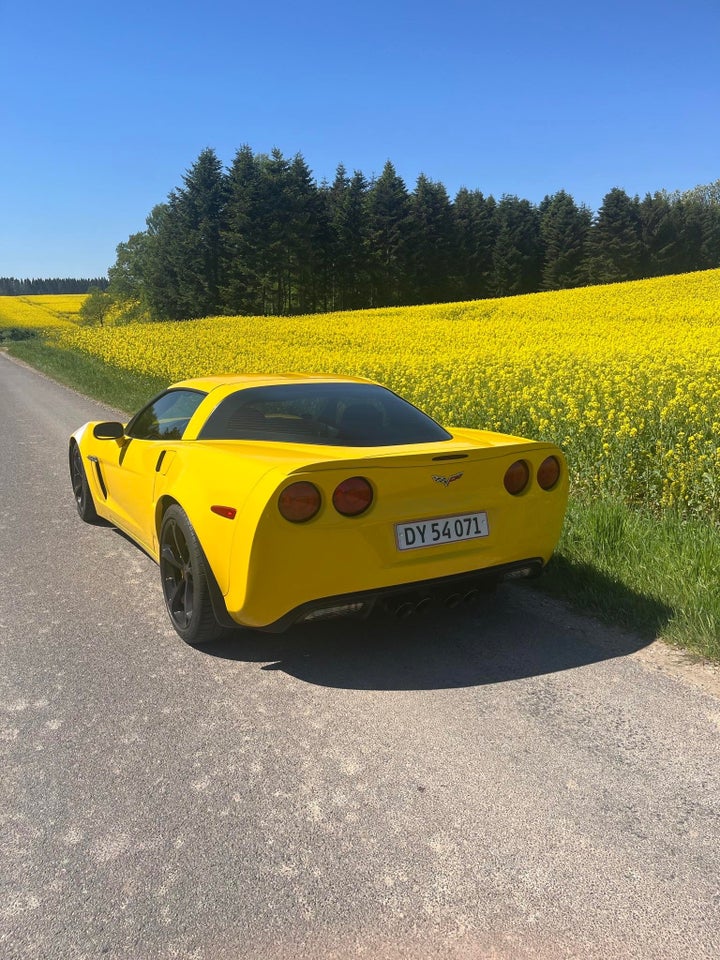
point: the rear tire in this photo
(81, 488)
(183, 574)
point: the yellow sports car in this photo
(272, 500)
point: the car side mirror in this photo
(108, 430)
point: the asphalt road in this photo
(509, 782)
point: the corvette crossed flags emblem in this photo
(446, 481)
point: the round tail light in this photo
(299, 502)
(548, 473)
(516, 477)
(353, 496)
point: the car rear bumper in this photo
(405, 599)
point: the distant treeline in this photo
(262, 237)
(12, 287)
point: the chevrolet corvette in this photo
(279, 499)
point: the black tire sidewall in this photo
(85, 506)
(203, 627)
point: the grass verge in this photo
(655, 575)
(91, 376)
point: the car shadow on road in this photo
(517, 634)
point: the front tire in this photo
(81, 488)
(183, 575)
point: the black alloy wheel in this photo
(184, 581)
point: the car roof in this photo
(257, 379)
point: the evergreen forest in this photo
(264, 238)
(12, 287)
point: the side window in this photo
(166, 417)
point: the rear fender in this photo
(221, 483)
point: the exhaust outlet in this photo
(404, 610)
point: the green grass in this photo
(118, 388)
(657, 575)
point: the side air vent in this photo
(98, 472)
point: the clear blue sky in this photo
(104, 106)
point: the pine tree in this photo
(660, 253)
(186, 254)
(202, 208)
(388, 209)
(161, 263)
(710, 249)
(564, 229)
(614, 243)
(432, 244)
(477, 231)
(309, 238)
(697, 227)
(241, 241)
(273, 226)
(517, 254)
(349, 280)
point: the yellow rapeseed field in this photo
(66, 304)
(626, 378)
(46, 311)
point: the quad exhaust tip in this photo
(407, 608)
(404, 610)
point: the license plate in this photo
(429, 533)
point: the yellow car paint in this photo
(265, 566)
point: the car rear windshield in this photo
(343, 414)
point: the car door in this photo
(131, 466)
